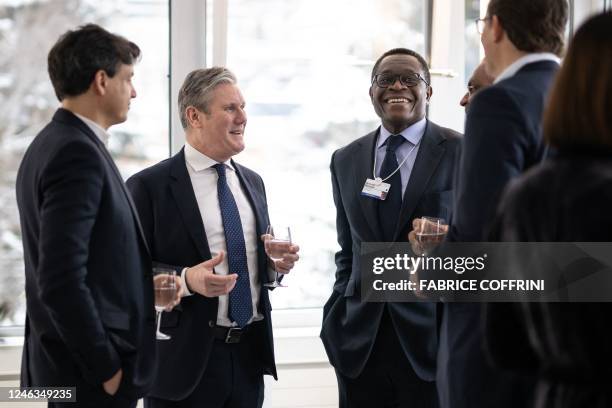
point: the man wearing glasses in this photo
(522, 40)
(384, 354)
(480, 79)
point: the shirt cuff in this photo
(186, 291)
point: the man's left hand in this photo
(177, 295)
(290, 257)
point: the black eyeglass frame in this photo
(396, 77)
(480, 23)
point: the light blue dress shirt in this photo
(413, 135)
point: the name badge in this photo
(376, 189)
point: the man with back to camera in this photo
(89, 293)
(522, 40)
(384, 353)
(201, 204)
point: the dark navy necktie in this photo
(240, 305)
(389, 209)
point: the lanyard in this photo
(378, 179)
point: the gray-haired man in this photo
(200, 205)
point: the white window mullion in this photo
(187, 52)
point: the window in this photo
(472, 38)
(580, 10)
(304, 69)
(303, 66)
(28, 29)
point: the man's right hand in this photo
(412, 238)
(419, 225)
(111, 386)
(202, 279)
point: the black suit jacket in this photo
(565, 346)
(89, 289)
(502, 140)
(175, 232)
(350, 326)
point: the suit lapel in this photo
(184, 197)
(428, 157)
(362, 168)
(67, 116)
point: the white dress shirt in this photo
(524, 60)
(204, 182)
(97, 129)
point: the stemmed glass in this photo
(431, 233)
(164, 283)
(277, 244)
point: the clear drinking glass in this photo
(164, 283)
(277, 244)
(431, 233)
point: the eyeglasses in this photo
(408, 80)
(480, 24)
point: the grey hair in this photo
(197, 89)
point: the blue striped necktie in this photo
(240, 304)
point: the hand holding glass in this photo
(164, 283)
(431, 233)
(277, 244)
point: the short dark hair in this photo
(78, 55)
(532, 25)
(404, 51)
(578, 114)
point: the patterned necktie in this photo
(240, 305)
(389, 209)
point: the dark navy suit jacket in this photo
(350, 325)
(502, 140)
(89, 288)
(175, 232)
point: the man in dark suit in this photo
(522, 40)
(90, 316)
(384, 353)
(197, 205)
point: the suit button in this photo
(211, 323)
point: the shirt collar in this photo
(413, 133)
(97, 129)
(513, 68)
(199, 161)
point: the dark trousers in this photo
(233, 378)
(388, 380)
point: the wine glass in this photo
(164, 283)
(431, 233)
(277, 244)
